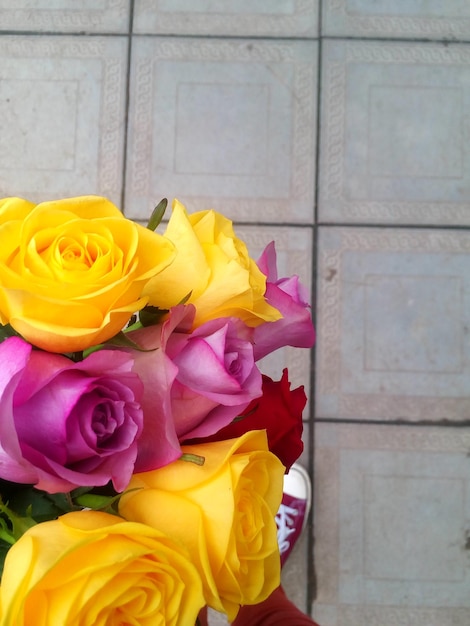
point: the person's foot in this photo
(293, 512)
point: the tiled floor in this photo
(392, 511)
(243, 106)
(219, 120)
(394, 124)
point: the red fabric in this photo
(277, 610)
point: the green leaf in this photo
(88, 351)
(101, 502)
(62, 501)
(134, 326)
(5, 533)
(7, 331)
(157, 214)
(121, 340)
(95, 502)
(186, 298)
(19, 524)
(151, 315)
(4, 547)
(26, 500)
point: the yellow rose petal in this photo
(74, 271)
(89, 568)
(214, 267)
(223, 511)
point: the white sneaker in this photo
(292, 515)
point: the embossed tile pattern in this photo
(54, 93)
(391, 522)
(65, 16)
(394, 122)
(216, 121)
(278, 18)
(413, 19)
(394, 311)
(222, 113)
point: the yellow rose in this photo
(72, 272)
(90, 568)
(214, 266)
(223, 511)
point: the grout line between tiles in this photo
(399, 40)
(390, 225)
(311, 572)
(276, 224)
(224, 37)
(377, 39)
(84, 33)
(393, 422)
(59, 33)
(126, 105)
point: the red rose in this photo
(279, 411)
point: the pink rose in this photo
(158, 444)
(289, 296)
(215, 377)
(66, 424)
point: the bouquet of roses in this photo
(142, 452)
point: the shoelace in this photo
(285, 521)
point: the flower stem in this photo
(193, 458)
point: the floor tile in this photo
(392, 524)
(223, 122)
(90, 16)
(393, 320)
(394, 128)
(244, 18)
(415, 19)
(61, 116)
